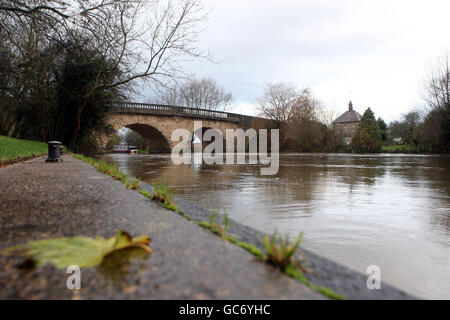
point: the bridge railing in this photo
(160, 109)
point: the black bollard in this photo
(54, 151)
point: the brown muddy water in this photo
(392, 211)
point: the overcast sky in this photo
(375, 52)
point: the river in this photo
(388, 210)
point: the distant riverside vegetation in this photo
(305, 125)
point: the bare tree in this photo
(326, 115)
(307, 107)
(284, 102)
(145, 39)
(288, 107)
(205, 94)
(168, 94)
(202, 93)
(278, 102)
(132, 138)
(438, 85)
(434, 131)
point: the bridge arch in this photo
(156, 135)
(156, 123)
(155, 140)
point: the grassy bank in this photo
(14, 150)
(398, 149)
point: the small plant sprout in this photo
(164, 195)
(135, 184)
(216, 227)
(120, 175)
(212, 217)
(226, 223)
(280, 251)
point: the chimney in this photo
(350, 106)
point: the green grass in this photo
(216, 227)
(145, 193)
(111, 170)
(250, 247)
(399, 149)
(280, 251)
(13, 150)
(297, 274)
(134, 184)
(164, 195)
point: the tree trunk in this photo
(77, 128)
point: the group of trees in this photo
(202, 93)
(126, 136)
(406, 128)
(427, 129)
(133, 138)
(303, 122)
(64, 61)
(306, 126)
(368, 135)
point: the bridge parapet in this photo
(167, 110)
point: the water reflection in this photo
(388, 210)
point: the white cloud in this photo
(377, 50)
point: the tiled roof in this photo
(348, 116)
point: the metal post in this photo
(54, 151)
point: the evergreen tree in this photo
(383, 128)
(367, 138)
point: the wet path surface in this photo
(39, 200)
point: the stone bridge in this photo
(156, 122)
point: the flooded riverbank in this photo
(387, 210)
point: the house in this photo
(347, 123)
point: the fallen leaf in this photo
(81, 251)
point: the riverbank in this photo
(99, 205)
(399, 149)
(46, 200)
(324, 272)
(394, 149)
(15, 150)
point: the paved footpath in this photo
(41, 200)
